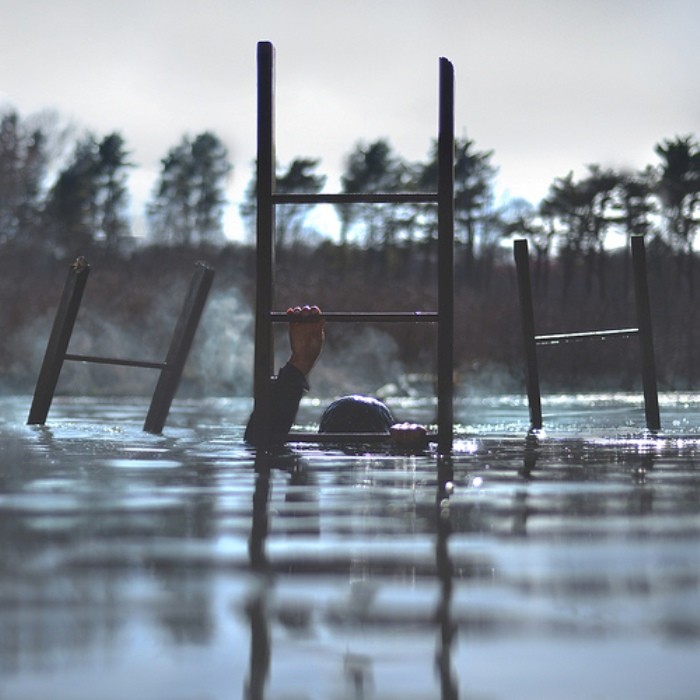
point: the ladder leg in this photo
(265, 255)
(180, 344)
(446, 149)
(59, 339)
(527, 321)
(641, 288)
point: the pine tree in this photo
(187, 205)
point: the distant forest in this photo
(63, 196)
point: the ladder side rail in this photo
(646, 339)
(351, 438)
(180, 344)
(60, 336)
(527, 324)
(265, 237)
(446, 215)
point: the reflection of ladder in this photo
(267, 199)
(170, 370)
(642, 331)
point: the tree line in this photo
(66, 201)
(63, 195)
(67, 197)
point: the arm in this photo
(306, 341)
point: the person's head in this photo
(356, 414)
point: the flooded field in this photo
(185, 567)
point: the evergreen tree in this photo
(112, 193)
(374, 168)
(87, 202)
(585, 212)
(290, 219)
(23, 163)
(521, 220)
(679, 190)
(298, 179)
(71, 210)
(187, 205)
(474, 175)
(635, 202)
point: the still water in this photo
(182, 567)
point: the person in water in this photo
(348, 414)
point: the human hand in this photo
(306, 337)
(409, 436)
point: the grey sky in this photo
(548, 85)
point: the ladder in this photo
(267, 199)
(642, 331)
(170, 369)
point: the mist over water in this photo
(361, 365)
(221, 360)
(185, 566)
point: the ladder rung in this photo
(585, 335)
(360, 316)
(361, 438)
(115, 361)
(347, 198)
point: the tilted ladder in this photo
(267, 199)
(170, 370)
(643, 332)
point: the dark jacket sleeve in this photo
(287, 389)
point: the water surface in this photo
(186, 567)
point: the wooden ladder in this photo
(642, 331)
(170, 369)
(267, 199)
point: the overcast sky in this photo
(548, 85)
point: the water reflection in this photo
(187, 566)
(357, 667)
(444, 572)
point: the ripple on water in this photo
(341, 575)
(141, 463)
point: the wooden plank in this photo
(557, 338)
(360, 316)
(180, 345)
(446, 226)
(527, 326)
(265, 237)
(350, 438)
(114, 361)
(646, 338)
(60, 336)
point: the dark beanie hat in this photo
(356, 414)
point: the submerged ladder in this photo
(642, 331)
(170, 369)
(268, 199)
